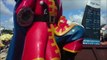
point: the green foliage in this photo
(5, 31)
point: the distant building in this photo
(91, 22)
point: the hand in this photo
(25, 16)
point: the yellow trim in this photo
(56, 58)
(50, 37)
(57, 51)
(39, 59)
(72, 51)
(53, 44)
(49, 30)
(54, 8)
(52, 28)
(67, 29)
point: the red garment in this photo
(38, 44)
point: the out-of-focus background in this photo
(72, 9)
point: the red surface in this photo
(52, 50)
(74, 46)
(26, 3)
(35, 43)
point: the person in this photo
(48, 36)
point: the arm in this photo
(26, 3)
(25, 12)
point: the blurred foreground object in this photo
(104, 35)
(36, 29)
(4, 44)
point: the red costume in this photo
(40, 43)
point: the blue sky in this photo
(72, 9)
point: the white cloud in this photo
(104, 19)
(78, 18)
(11, 23)
(73, 4)
(80, 4)
(4, 10)
(8, 24)
(10, 2)
(104, 5)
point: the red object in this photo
(38, 45)
(74, 46)
(26, 3)
(52, 49)
(35, 43)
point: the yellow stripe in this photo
(56, 58)
(57, 51)
(50, 37)
(67, 29)
(49, 30)
(72, 51)
(39, 59)
(53, 44)
(54, 8)
(52, 28)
